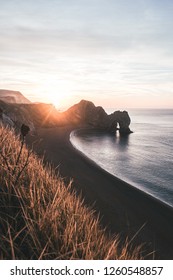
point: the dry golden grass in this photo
(41, 218)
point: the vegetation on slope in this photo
(40, 217)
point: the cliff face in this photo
(33, 115)
(5, 120)
(123, 120)
(85, 112)
(46, 115)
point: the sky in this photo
(116, 53)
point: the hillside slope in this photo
(41, 217)
(11, 96)
(34, 115)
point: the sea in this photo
(144, 158)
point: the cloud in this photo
(86, 26)
(100, 46)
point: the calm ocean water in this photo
(143, 159)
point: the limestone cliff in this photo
(122, 119)
(85, 112)
(33, 115)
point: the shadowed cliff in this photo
(46, 115)
(85, 112)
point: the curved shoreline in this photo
(123, 209)
(166, 204)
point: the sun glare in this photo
(56, 100)
(56, 93)
(55, 97)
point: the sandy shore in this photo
(122, 208)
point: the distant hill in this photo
(11, 96)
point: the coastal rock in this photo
(37, 115)
(85, 112)
(123, 119)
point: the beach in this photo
(123, 209)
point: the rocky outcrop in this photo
(33, 115)
(14, 115)
(85, 112)
(122, 120)
(5, 120)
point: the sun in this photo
(57, 91)
(60, 99)
(54, 94)
(56, 100)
